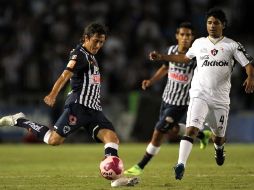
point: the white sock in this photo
(111, 145)
(153, 150)
(46, 136)
(184, 151)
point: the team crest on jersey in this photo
(72, 120)
(214, 52)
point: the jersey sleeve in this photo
(241, 55)
(191, 53)
(72, 57)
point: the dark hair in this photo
(94, 28)
(217, 13)
(185, 25)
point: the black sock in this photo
(147, 157)
(109, 151)
(37, 129)
(200, 135)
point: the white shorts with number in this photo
(215, 115)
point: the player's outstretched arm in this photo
(180, 58)
(249, 82)
(161, 72)
(61, 81)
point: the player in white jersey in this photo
(210, 87)
(175, 98)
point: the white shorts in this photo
(215, 115)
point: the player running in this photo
(210, 87)
(175, 98)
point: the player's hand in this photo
(146, 83)
(249, 84)
(155, 56)
(50, 100)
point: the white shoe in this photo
(11, 120)
(125, 181)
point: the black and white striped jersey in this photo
(86, 80)
(176, 91)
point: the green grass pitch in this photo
(76, 167)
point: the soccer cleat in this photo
(204, 141)
(179, 171)
(125, 181)
(134, 170)
(11, 120)
(219, 156)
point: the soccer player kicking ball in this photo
(175, 98)
(82, 107)
(210, 87)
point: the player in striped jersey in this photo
(210, 87)
(82, 107)
(175, 97)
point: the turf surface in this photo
(76, 167)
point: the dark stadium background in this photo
(37, 35)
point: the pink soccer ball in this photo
(111, 168)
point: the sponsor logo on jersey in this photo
(214, 52)
(215, 63)
(180, 77)
(204, 57)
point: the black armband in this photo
(69, 69)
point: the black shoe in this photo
(219, 156)
(179, 171)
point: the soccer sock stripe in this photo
(111, 149)
(153, 150)
(187, 138)
(46, 136)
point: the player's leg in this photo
(152, 149)
(169, 117)
(196, 115)
(73, 117)
(19, 120)
(218, 119)
(103, 131)
(110, 140)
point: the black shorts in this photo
(76, 116)
(173, 111)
